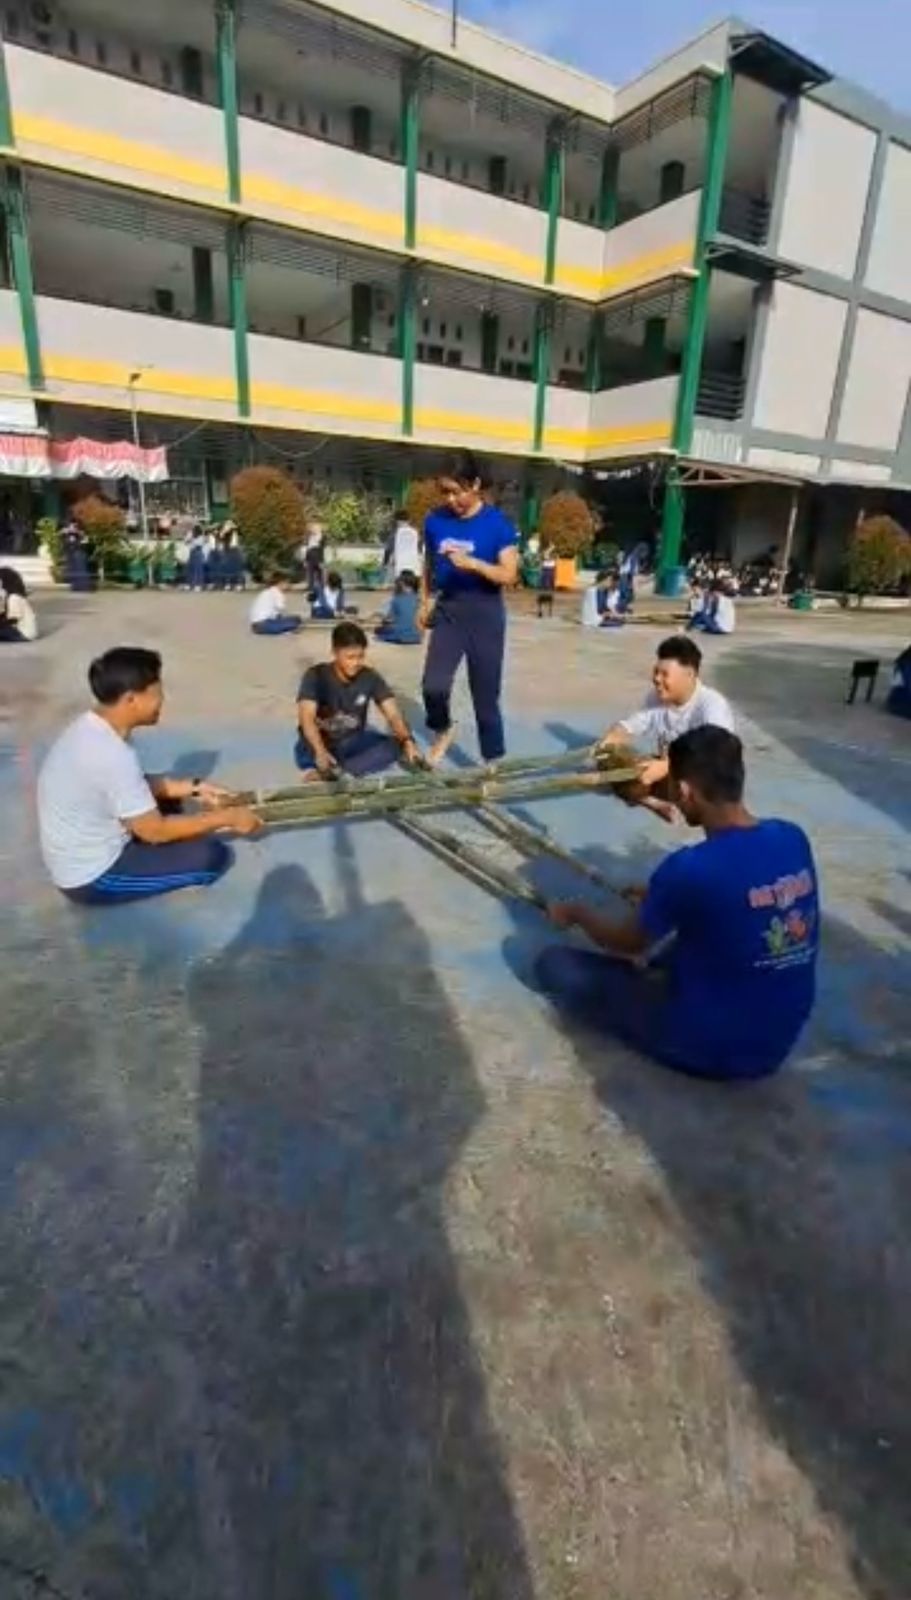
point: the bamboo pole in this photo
(535, 841)
(470, 863)
(302, 808)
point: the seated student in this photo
(104, 836)
(611, 602)
(593, 602)
(400, 624)
(898, 700)
(695, 605)
(719, 614)
(18, 623)
(678, 702)
(547, 582)
(268, 614)
(330, 601)
(333, 701)
(737, 983)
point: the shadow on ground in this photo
(793, 1195)
(242, 1363)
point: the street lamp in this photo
(132, 381)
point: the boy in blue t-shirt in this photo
(741, 914)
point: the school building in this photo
(350, 235)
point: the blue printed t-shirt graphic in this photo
(484, 535)
(745, 910)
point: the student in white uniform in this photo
(108, 832)
(268, 614)
(719, 614)
(18, 623)
(678, 701)
(406, 546)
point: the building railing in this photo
(744, 216)
(721, 394)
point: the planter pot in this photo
(566, 573)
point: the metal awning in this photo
(759, 56)
(747, 261)
(693, 474)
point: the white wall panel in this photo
(799, 361)
(889, 267)
(879, 373)
(828, 179)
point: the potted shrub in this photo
(568, 525)
(879, 557)
(269, 512)
(103, 526)
(422, 497)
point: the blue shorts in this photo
(143, 870)
(366, 752)
(627, 1003)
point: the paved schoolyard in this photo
(335, 1268)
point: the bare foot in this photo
(440, 747)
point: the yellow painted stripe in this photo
(637, 270)
(324, 402)
(467, 422)
(478, 249)
(116, 152)
(12, 359)
(116, 374)
(632, 433)
(272, 192)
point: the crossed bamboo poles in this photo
(402, 796)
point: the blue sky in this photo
(867, 40)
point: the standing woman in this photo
(470, 556)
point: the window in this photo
(301, 117)
(435, 355)
(525, 347)
(167, 74)
(392, 319)
(453, 358)
(581, 357)
(136, 63)
(524, 370)
(281, 112)
(258, 104)
(567, 355)
(72, 42)
(425, 325)
(442, 330)
(457, 332)
(12, 24)
(466, 172)
(671, 181)
(430, 160)
(323, 124)
(447, 166)
(164, 301)
(510, 343)
(302, 327)
(101, 52)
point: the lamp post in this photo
(454, 25)
(132, 381)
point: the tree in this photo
(103, 526)
(269, 511)
(879, 556)
(566, 523)
(422, 497)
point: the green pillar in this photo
(608, 192)
(544, 321)
(408, 332)
(21, 263)
(226, 53)
(719, 123)
(594, 354)
(553, 194)
(410, 141)
(7, 136)
(237, 299)
(529, 510)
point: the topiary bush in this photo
(422, 497)
(566, 523)
(269, 512)
(104, 527)
(879, 556)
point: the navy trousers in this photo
(274, 625)
(142, 870)
(364, 753)
(469, 627)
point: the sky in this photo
(867, 40)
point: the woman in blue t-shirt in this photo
(471, 556)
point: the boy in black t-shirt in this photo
(332, 705)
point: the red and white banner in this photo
(30, 455)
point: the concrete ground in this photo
(335, 1267)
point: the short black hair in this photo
(679, 648)
(124, 670)
(401, 514)
(12, 582)
(408, 581)
(348, 636)
(711, 759)
(464, 467)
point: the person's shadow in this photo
(341, 1415)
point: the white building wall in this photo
(637, 417)
(828, 179)
(889, 266)
(481, 232)
(879, 373)
(799, 361)
(308, 183)
(314, 386)
(472, 408)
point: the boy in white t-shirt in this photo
(108, 832)
(268, 614)
(678, 701)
